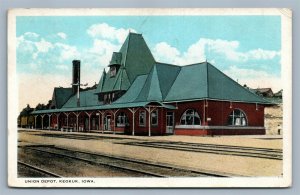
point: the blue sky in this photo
(247, 48)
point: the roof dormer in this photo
(115, 63)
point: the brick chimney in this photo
(76, 79)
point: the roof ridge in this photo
(195, 64)
(162, 63)
(127, 48)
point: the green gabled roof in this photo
(190, 83)
(221, 87)
(87, 98)
(166, 75)
(125, 83)
(154, 93)
(110, 82)
(133, 92)
(204, 81)
(156, 85)
(137, 58)
(151, 89)
(61, 95)
(121, 82)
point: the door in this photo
(107, 126)
(170, 123)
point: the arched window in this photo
(122, 120)
(237, 118)
(190, 117)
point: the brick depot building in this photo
(140, 96)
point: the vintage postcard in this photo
(149, 98)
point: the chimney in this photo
(76, 79)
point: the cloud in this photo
(42, 55)
(43, 46)
(31, 36)
(254, 78)
(210, 49)
(67, 52)
(107, 32)
(62, 35)
(259, 53)
(166, 52)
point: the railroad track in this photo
(254, 152)
(37, 171)
(81, 137)
(126, 164)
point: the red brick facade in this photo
(213, 116)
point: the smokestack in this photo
(76, 79)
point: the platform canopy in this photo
(106, 107)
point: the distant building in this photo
(278, 94)
(140, 96)
(264, 92)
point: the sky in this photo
(246, 48)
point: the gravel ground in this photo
(237, 165)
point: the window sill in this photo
(189, 126)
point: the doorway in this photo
(107, 121)
(170, 122)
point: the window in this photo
(190, 117)
(237, 118)
(113, 71)
(154, 115)
(105, 98)
(142, 118)
(122, 120)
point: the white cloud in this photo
(254, 78)
(31, 36)
(62, 35)
(164, 51)
(67, 52)
(262, 54)
(208, 48)
(104, 31)
(43, 46)
(103, 47)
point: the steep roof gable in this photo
(101, 82)
(135, 59)
(87, 98)
(138, 58)
(61, 96)
(151, 90)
